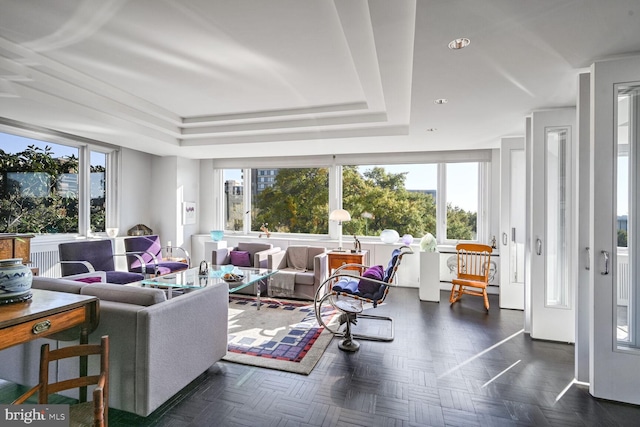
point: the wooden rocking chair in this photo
(474, 262)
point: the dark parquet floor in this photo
(448, 366)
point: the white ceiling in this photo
(237, 78)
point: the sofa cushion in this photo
(59, 285)
(367, 286)
(252, 248)
(240, 258)
(125, 294)
(305, 278)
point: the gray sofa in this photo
(158, 345)
(258, 254)
(303, 267)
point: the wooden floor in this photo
(448, 366)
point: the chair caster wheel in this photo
(348, 345)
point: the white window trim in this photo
(483, 157)
(84, 146)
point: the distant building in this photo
(262, 179)
(234, 214)
(622, 222)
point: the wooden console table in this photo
(337, 259)
(50, 313)
(16, 246)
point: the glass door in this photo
(552, 287)
(512, 222)
(614, 278)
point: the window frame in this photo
(85, 147)
(335, 163)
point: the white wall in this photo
(164, 203)
(134, 189)
(207, 205)
(187, 190)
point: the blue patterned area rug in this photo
(282, 335)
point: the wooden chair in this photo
(93, 413)
(474, 261)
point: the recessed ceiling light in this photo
(431, 129)
(441, 101)
(459, 43)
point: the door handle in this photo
(588, 263)
(504, 239)
(606, 263)
(539, 246)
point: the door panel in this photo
(552, 287)
(512, 223)
(614, 352)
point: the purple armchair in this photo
(144, 255)
(87, 256)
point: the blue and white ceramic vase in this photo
(15, 281)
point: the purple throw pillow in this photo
(240, 258)
(367, 286)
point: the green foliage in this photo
(34, 204)
(298, 203)
(461, 225)
(622, 238)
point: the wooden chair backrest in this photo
(474, 261)
(101, 381)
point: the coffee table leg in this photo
(258, 293)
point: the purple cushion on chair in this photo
(123, 277)
(96, 279)
(368, 287)
(240, 258)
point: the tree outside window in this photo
(39, 187)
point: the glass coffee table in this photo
(238, 278)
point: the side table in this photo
(337, 259)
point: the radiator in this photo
(623, 280)
(47, 262)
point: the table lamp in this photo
(339, 215)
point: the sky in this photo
(15, 144)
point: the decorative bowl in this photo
(112, 231)
(217, 235)
(232, 277)
(389, 236)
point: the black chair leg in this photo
(348, 343)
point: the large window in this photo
(290, 200)
(462, 201)
(233, 201)
(404, 197)
(399, 197)
(41, 187)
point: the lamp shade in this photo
(339, 215)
